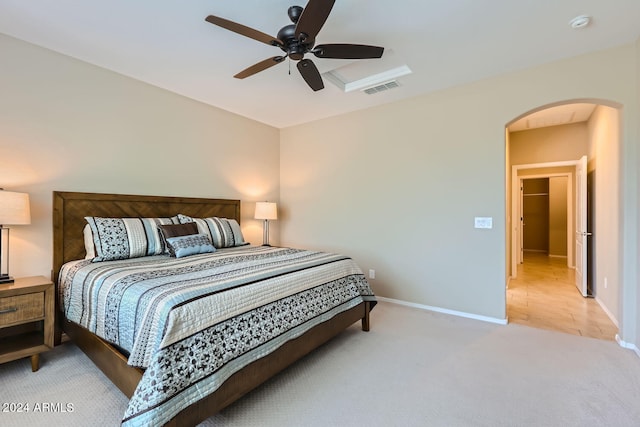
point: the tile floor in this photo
(544, 296)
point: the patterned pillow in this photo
(223, 232)
(124, 238)
(191, 244)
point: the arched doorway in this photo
(544, 140)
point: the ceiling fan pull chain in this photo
(289, 66)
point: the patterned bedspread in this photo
(192, 322)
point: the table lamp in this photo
(14, 210)
(266, 211)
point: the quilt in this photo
(192, 322)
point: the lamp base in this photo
(265, 233)
(6, 279)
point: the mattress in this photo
(192, 322)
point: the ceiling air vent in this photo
(381, 88)
(361, 77)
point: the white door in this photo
(581, 226)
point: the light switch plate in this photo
(483, 222)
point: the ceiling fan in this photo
(299, 38)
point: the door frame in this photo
(516, 201)
(570, 216)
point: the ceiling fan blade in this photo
(310, 74)
(313, 18)
(244, 31)
(347, 51)
(260, 66)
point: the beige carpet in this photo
(414, 368)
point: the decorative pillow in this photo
(176, 230)
(191, 244)
(223, 232)
(124, 238)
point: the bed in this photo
(223, 293)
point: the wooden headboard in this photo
(70, 208)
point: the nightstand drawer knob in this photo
(9, 310)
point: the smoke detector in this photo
(580, 22)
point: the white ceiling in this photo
(444, 42)
(554, 116)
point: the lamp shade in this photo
(266, 210)
(14, 208)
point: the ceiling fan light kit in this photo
(298, 39)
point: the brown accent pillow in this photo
(177, 230)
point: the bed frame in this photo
(69, 210)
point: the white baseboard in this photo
(445, 311)
(607, 312)
(627, 345)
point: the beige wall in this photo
(397, 186)
(507, 208)
(604, 160)
(550, 144)
(67, 125)
(634, 156)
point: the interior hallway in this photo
(544, 296)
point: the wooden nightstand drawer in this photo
(26, 319)
(21, 308)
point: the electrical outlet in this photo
(372, 274)
(605, 283)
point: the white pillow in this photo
(89, 246)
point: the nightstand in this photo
(26, 319)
